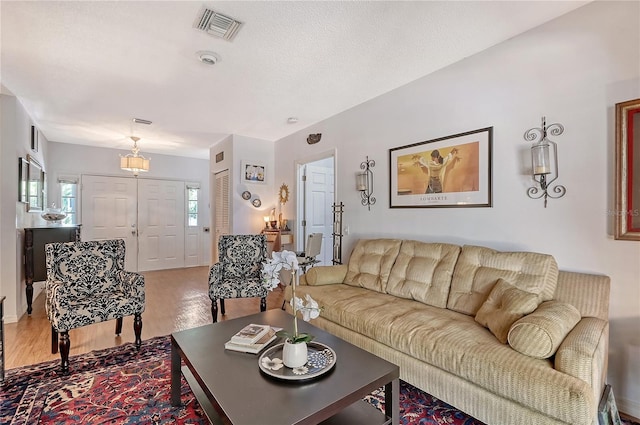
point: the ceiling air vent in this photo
(216, 24)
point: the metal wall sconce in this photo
(544, 161)
(364, 183)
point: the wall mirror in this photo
(23, 175)
(35, 186)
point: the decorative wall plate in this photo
(246, 195)
(257, 202)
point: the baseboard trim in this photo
(629, 408)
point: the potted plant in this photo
(294, 352)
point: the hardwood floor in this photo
(175, 300)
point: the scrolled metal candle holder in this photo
(364, 183)
(544, 161)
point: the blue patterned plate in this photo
(320, 360)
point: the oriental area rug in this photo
(121, 386)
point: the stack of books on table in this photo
(252, 338)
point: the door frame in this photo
(300, 234)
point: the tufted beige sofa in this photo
(417, 305)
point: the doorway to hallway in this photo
(316, 195)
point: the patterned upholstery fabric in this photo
(238, 272)
(87, 283)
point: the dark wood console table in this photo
(35, 239)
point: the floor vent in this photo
(217, 24)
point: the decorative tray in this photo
(320, 360)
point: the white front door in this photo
(319, 198)
(161, 224)
(109, 211)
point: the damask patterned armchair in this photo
(238, 272)
(87, 283)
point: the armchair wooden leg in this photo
(65, 344)
(54, 341)
(222, 306)
(118, 326)
(214, 310)
(263, 304)
(137, 329)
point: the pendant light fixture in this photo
(133, 161)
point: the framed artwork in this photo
(452, 171)
(35, 186)
(34, 138)
(607, 409)
(23, 176)
(253, 172)
(627, 211)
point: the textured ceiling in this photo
(84, 69)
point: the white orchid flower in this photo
(271, 269)
(297, 303)
(312, 306)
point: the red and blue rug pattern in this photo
(115, 386)
(121, 386)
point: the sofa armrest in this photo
(584, 353)
(324, 275)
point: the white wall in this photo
(70, 159)
(15, 143)
(245, 218)
(573, 70)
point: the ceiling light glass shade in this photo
(134, 162)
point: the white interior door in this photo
(222, 198)
(319, 197)
(161, 224)
(109, 211)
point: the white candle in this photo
(541, 169)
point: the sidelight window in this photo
(192, 204)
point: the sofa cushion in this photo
(540, 333)
(370, 263)
(423, 271)
(478, 268)
(505, 305)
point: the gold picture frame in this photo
(627, 207)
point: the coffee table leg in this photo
(175, 375)
(392, 398)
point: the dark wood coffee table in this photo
(231, 388)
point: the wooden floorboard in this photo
(175, 300)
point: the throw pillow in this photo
(540, 334)
(505, 305)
